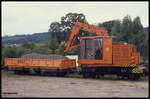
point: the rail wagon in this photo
(57, 67)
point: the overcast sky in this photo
(34, 17)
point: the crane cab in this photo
(96, 50)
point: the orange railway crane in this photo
(100, 56)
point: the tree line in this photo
(131, 31)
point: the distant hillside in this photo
(34, 38)
(20, 39)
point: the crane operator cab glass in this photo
(96, 50)
(92, 48)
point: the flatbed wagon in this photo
(60, 67)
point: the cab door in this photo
(98, 49)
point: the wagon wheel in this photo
(133, 77)
(136, 77)
(63, 74)
(123, 77)
(26, 72)
(119, 76)
(85, 75)
(58, 73)
(92, 75)
(37, 71)
(17, 72)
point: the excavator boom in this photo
(99, 31)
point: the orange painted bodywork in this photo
(114, 54)
(39, 63)
(118, 55)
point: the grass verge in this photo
(6, 72)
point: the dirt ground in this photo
(46, 86)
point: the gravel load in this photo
(42, 56)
